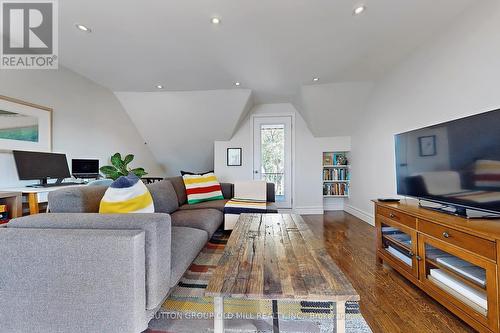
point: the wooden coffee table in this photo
(277, 257)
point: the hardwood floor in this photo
(389, 303)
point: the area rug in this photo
(188, 310)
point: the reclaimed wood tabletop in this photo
(277, 257)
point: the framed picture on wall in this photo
(24, 126)
(427, 145)
(234, 156)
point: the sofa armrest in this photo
(271, 195)
(157, 228)
(72, 280)
(227, 190)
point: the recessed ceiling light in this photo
(159, 86)
(315, 79)
(237, 84)
(358, 10)
(215, 20)
(83, 28)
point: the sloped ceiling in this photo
(272, 47)
(332, 109)
(180, 127)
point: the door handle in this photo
(256, 171)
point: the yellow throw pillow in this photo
(127, 194)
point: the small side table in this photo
(14, 202)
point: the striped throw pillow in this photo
(487, 173)
(201, 188)
(127, 194)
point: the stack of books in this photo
(400, 255)
(474, 298)
(336, 189)
(4, 215)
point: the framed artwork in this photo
(24, 126)
(234, 156)
(427, 145)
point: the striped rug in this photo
(187, 310)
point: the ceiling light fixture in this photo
(359, 10)
(83, 28)
(315, 79)
(159, 86)
(237, 84)
(215, 20)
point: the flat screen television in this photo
(456, 164)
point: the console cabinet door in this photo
(398, 243)
(460, 277)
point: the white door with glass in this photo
(273, 155)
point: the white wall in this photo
(180, 127)
(455, 75)
(307, 164)
(88, 120)
(330, 109)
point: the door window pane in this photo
(273, 157)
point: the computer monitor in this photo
(83, 168)
(34, 165)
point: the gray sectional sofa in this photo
(74, 270)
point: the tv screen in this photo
(455, 163)
(34, 165)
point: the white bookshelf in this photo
(336, 174)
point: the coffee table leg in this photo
(218, 315)
(276, 321)
(340, 317)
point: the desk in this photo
(36, 195)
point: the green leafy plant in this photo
(120, 168)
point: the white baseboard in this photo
(310, 210)
(360, 214)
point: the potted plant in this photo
(120, 168)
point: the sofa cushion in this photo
(215, 204)
(180, 189)
(164, 196)
(186, 244)
(203, 219)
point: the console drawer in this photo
(397, 216)
(472, 243)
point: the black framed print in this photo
(427, 145)
(234, 156)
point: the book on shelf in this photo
(4, 214)
(473, 295)
(332, 158)
(402, 238)
(335, 174)
(458, 296)
(400, 255)
(464, 268)
(341, 189)
(390, 230)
